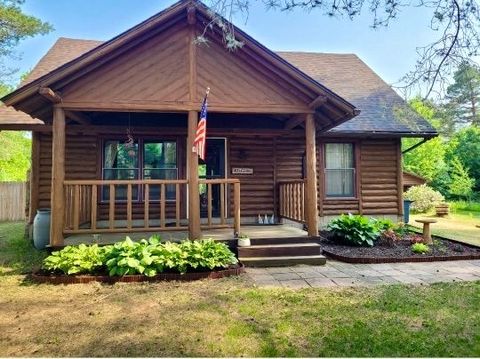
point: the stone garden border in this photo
(137, 278)
(419, 258)
(372, 260)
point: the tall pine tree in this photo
(464, 95)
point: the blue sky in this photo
(390, 51)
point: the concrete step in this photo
(282, 261)
(280, 250)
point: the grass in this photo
(227, 317)
(460, 225)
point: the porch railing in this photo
(292, 200)
(124, 206)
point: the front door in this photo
(212, 168)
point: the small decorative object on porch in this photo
(441, 209)
(130, 143)
(265, 220)
(243, 240)
(426, 228)
(272, 219)
(259, 220)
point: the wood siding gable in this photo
(157, 72)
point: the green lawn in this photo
(227, 317)
(460, 225)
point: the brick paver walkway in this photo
(335, 274)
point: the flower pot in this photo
(243, 242)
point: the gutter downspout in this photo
(425, 139)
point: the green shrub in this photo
(424, 197)
(355, 230)
(420, 248)
(76, 259)
(145, 257)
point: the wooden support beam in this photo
(311, 198)
(34, 177)
(293, 122)
(399, 178)
(78, 117)
(193, 190)
(319, 101)
(50, 95)
(58, 176)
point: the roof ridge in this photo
(317, 53)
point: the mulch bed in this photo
(442, 250)
(45, 277)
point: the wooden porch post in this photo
(58, 176)
(193, 191)
(34, 172)
(311, 198)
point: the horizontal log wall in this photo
(80, 162)
(379, 178)
(272, 160)
(257, 190)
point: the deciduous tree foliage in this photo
(461, 184)
(465, 145)
(14, 155)
(15, 26)
(15, 150)
(426, 160)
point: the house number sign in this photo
(242, 171)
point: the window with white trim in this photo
(339, 170)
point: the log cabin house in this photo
(302, 137)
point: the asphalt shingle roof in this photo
(382, 109)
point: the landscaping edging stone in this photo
(372, 260)
(137, 278)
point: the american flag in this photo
(201, 134)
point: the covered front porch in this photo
(189, 205)
(278, 231)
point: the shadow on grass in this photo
(17, 254)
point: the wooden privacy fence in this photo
(292, 200)
(12, 201)
(107, 206)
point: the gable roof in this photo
(329, 112)
(382, 110)
(9, 117)
(346, 74)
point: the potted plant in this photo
(243, 240)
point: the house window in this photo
(339, 170)
(143, 160)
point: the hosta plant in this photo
(355, 230)
(76, 259)
(148, 257)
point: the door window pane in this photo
(120, 162)
(160, 162)
(339, 170)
